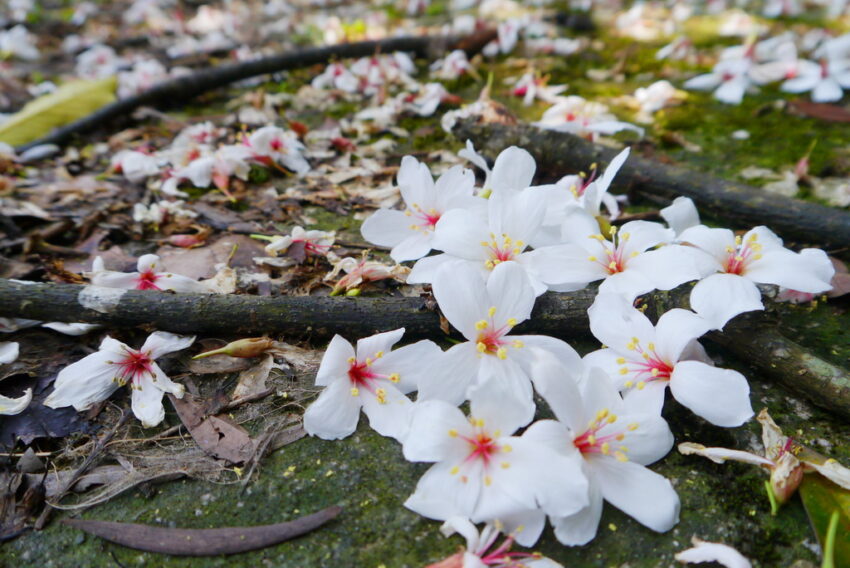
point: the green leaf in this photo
(70, 102)
(822, 498)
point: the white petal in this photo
(391, 417)
(526, 528)
(675, 330)
(12, 406)
(412, 363)
(161, 343)
(71, 328)
(713, 241)
(669, 266)
(457, 289)
(790, 270)
(703, 82)
(648, 400)
(614, 322)
(425, 269)
(454, 187)
(560, 392)
(334, 414)
(460, 233)
(440, 495)
(640, 493)
(721, 396)
(713, 552)
(581, 527)
(430, 439)
(452, 376)
(147, 263)
(510, 293)
(146, 401)
(9, 351)
(386, 228)
(164, 383)
(413, 247)
(650, 441)
(644, 235)
(84, 383)
(720, 455)
(681, 214)
(513, 170)
(720, 297)
(463, 527)
(502, 398)
(415, 182)
(369, 347)
(629, 284)
(826, 91)
(335, 363)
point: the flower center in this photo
(741, 255)
(490, 340)
(132, 367)
(499, 252)
(362, 376)
(616, 257)
(649, 367)
(425, 220)
(482, 447)
(147, 280)
(596, 441)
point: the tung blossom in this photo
(482, 471)
(703, 551)
(336, 76)
(485, 314)
(757, 257)
(316, 243)
(273, 146)
(410, 232)
(94, 378)
(612, 441)
(360, 271)
(481, 551)
(147, 277)
(826, 80)
(372, 378)
(581, 117)
(645, 359)
(512, 171)
(627, 258)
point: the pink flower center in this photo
(616, 255)
(147, 280)
(741, 255)
(648, 367)
(481, 447)
(425, 220)
(362, 376)
(132, 367)
(501, 251)
(595, 441)
(490, 340)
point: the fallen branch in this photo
(559, 315)
(203, 542)
(188, 86)
(558, 154)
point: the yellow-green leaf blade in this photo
(68, 103)
(821, 498)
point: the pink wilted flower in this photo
(300, 243)
(360, 271)
(147, 277)
(95, 377)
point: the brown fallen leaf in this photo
(253, 380)
(216, 435)
(203, 542)
(822, 111)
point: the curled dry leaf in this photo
(203, 542)
(216, 435)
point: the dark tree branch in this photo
(744, 206)
(183, 88)
(559, 315)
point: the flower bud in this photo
(249, 347)
(786, 477)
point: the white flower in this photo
(410, 233)
(147, 277)
(655, 97)
(627, 259)
(613, 442)
(314, 242)
(11, 406)
(95, 377)
(730, 79)
(530, 87)
(452, 66)
(272, 145)
(826, 80)
(19, 42)
(218, 168)
(136, 166)
(359, 271)
(645, 359)
(144, 75)
(681, 214)
(485, 314)
(578, 116)
(97, 62)
(481, 553)
(483, 472)
(513, 220)
(759, 257)
(336, 76)
(374, 379)
(712, 552)
(427, 99)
